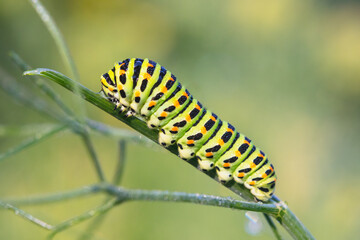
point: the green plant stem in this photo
(119, 170)
(273, 227)
(124, 194)
(26, 215)
(90, 147)
(9, 130)
(287, 219)
(33, 140)
(57, 197)
(121, 195)
(56, 34)
(85, 216)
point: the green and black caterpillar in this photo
(143, 87)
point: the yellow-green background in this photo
(284, 72)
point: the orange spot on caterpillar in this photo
(240, 175)
(213, 118)
(198, 107)
(260, 155)
(208, 154)
(163, 114)
(111, 88)
(152, 103)
(237, 153)
(122, 71)
(221, 142)
(188, 118)
(150, 65)
(189, 142)
(171, 79)
(230, 130)
(203, 130)
(252, 165)
(246, 142)
(174, 129)
(176, 103)
(137, 94)
(147, 76)
(226, 164)
(264, 175)
(271, 169)
(185, 94)
(252, 183)
(164, 89)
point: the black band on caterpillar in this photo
(143, 87)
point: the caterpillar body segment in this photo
(211, 151)
(196, 136)
(144, 88)
(170, 108)
(160, 93)
(148, 77)
(177, 127)
(123, 73)
(231, 159)
(249, 166)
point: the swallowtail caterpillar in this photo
(143, 87)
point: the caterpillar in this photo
(144, 88)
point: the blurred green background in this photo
(284, 72)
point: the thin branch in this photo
(95, 160)
(31, 141)
(56, 34)
(7, 130)
(85, 216)
(57, 197)
(121, 163)
(273, 227)
(26, 216)
(124, 194)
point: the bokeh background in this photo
(284, 72)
